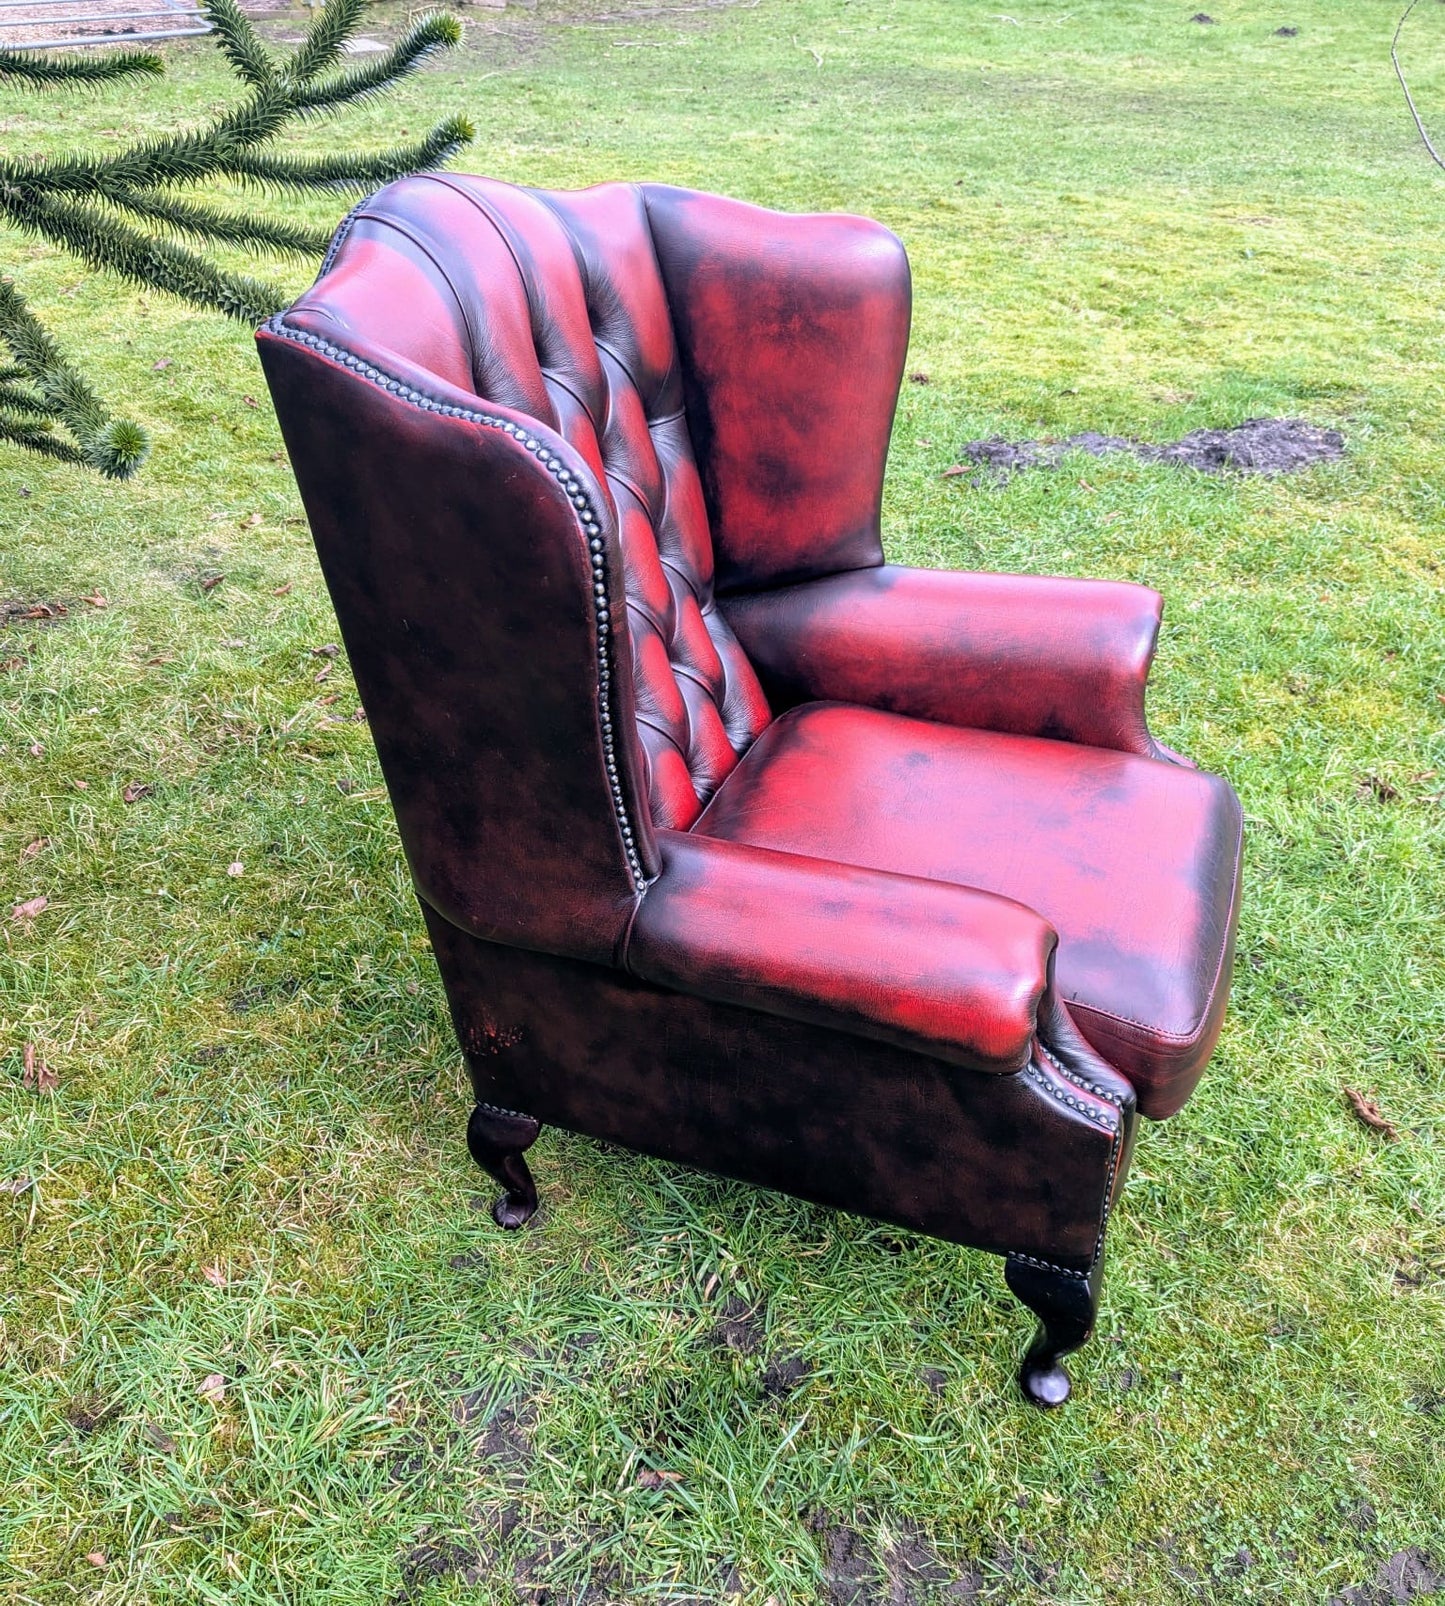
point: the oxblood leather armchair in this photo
(736, 844)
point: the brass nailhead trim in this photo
(586, 514)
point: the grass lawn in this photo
(258, 1338)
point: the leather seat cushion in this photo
(1133, 861)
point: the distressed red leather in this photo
(931, 965)
(1002, 652)
(1132, 861)
(863, 882)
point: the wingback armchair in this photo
(738, 845)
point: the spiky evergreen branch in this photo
(243, 229)
(57, 395)
(352, 173)
(46, 71)
(80, 203)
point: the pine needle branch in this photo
(38, 438)
(239, 43)
(424, 38)
(104, 243)
(23, 401)
(228, 228)
(57, 394)
(80, 203)
(321, 48)
(355, 173)
(48, 71)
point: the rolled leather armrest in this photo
(947, 971)
(1025, 654)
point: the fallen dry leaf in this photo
(17, 1185)
(213, 1388)
(32, 848)
(327, 649)
(250, 401)
(250, 521)
(36, 750)
(96, 600)
(211, 582)
(81, 786)
(159, 1438)
(12, 663)
(282, 591)
(1367, 1112)
(46, 610)
(30, 908)
(918, 377)
(324, 673)
(135, 791)
(327, 700)
(235, 867)
(162, 364)
(37, 1075)
(214, 1276)
(648, 1479)
(955, 469)
(96, 1558)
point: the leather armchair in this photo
(736, 844)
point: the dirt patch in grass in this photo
(739, 1327)
(89, 1413)
(784, 1375)
(1407, 1575)
(904, 1572)
(1267, 446)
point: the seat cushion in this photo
(1133, 861)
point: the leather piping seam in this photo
(583, 511)
(1116, 1149)
(1183, 1039)
(408, 233)
(636, 490)
(342, 230)
(697, 680)
(557, 379)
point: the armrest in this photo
(1029, 655)
(943, 970)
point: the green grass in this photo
(253, 1163)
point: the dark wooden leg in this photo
(1066, 1304)
(497, 1139)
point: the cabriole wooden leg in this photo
(1066, 1304)
(497, 1139)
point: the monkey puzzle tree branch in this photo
(82, 203)
(47, 71)
(56, 394)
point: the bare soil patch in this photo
(1267, 446)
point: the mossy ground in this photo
(253, 1166)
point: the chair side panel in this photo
(996, 1162)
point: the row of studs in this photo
(1115, 1150)
(591, 526)
(1080, 1081)
(1055, 1091)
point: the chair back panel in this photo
(553, 304)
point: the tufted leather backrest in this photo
(554, 305)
